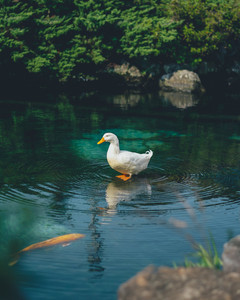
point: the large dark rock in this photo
(181, 284)
(181, 81)
(231, 256)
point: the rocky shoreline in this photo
(172, 77)
(125, 76)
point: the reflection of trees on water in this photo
(95, 248)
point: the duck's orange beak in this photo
(101, 141)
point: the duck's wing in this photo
(127, 156)
(134, 162)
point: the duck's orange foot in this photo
(124, 177)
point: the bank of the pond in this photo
(212, 83)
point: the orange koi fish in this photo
(54, 241)
(62, 239)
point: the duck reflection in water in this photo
(118, 191)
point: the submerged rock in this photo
(181, 81)
(181, 284)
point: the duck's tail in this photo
(150, 153)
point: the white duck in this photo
(125, 162)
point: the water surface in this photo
(55, 180)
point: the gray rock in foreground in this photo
(231, 255)
(181, 284)
(181, 81)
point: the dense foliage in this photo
(66, 39)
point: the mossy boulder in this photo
(181, 81)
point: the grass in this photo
(203, 256)
(207, 257)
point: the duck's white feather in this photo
(125, 162)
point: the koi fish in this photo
(62, 239)
(54, 241)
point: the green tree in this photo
(207, 28)
(74, 39)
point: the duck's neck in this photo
(114, 147)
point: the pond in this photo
(55, 180)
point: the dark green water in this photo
(54, 180)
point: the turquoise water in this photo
(55, 180)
